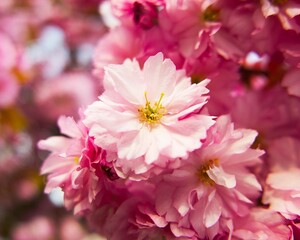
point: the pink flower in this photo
(283, 193)
(77, 166)
(261, 224)
(185, 22)
(282, 189)
(213, 184)
(151, 113)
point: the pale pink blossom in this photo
(283, 192)
(262, 224)
(282, 189)
(212, 185)
(151, 113)
(77, 166)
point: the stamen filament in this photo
(150, 114)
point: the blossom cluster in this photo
(195, 133)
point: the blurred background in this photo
(46, 51)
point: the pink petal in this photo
(110, 119)
(55, 144)
(134, 144)
(278, 180)
(181, 232)
(127, 81)
(180, 200)
(54, 163)
(242, 144)
(69, 127)
(212, 210)
(154, 69)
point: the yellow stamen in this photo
(151, 114)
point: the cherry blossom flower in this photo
(213, 184)
(77, 166)
(283, 195)
(261, 224)
(149, 160)
(151, 112)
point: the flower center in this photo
(202, 171)
(151, 114)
